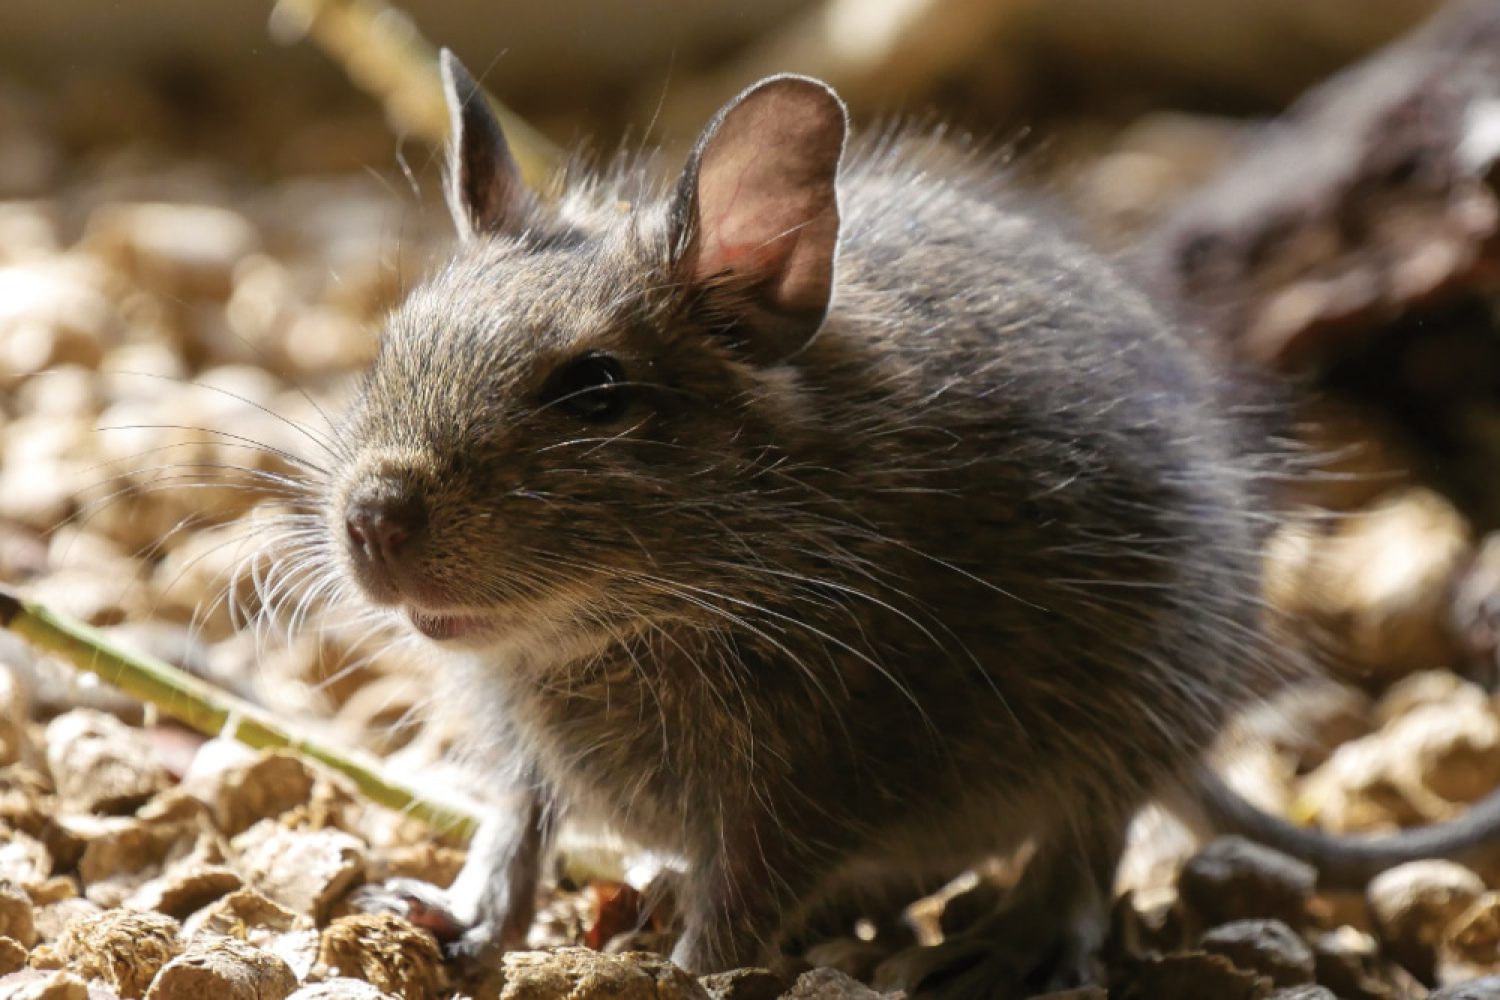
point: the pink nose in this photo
(384, 524)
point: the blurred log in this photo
(1356, 241)
(1372, 196)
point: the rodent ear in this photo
(756, 217)
(484, 188)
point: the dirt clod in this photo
(386, 952)
(123, 948)
(225, 969)
(100, 764)
(1234, 879)
(1267, 947)
(1414, 905)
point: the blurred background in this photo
(207, 205)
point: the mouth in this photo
(447, 628)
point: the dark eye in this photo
(591, 388)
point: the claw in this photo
(421, 904)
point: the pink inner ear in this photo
(767, 205)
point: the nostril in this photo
(382, 522)
(358, 525)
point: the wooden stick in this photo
(384, 54)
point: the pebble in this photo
(24, 860)
(53, 312)
(830, 984)
(54, 985)
(1189, 974)
(242, 787)
(1377, 582)
(1347, 962)
(303, 870)
(342, 988)
(53, 919)
(1267, 947)
(1413, 905)
(123, 948)
(17, 915)
(388, 953)
(1470, 947)
(744, 984)
(100, 764)
(177, 250)
(224, 969)
(1234, 879)
(249, 916)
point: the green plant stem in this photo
(207, 709)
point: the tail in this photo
(1350, 862)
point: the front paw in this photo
(465, 937)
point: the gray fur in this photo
(978, 564)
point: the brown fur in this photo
(978, 564)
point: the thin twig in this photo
(207, 709)
(382, 51)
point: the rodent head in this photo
(559, 427)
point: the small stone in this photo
(244, 914)
(24, 861)
(1347, 963)
(185, 888)
(304, 870)
(386, 952)
(1454, 749)
(249, 916)
(1190, 974)
(53, 312)
(1413, 905)
(581, 974)
(242, 788)
(17, 917)
(100, 764)
(1267, 947)
(12, 956)
(1360, 787)
(1470, 946)
(225, 969)
(54, 890)
(53, 919)
(1377, 584)
(102, 596)
(1425, 687)
(186, 251)
(36, 985)
(341, 988)
(744, 984)
(123, 948)
(1234, 879)
(122, 854)
(831, 984)
(427, 862)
